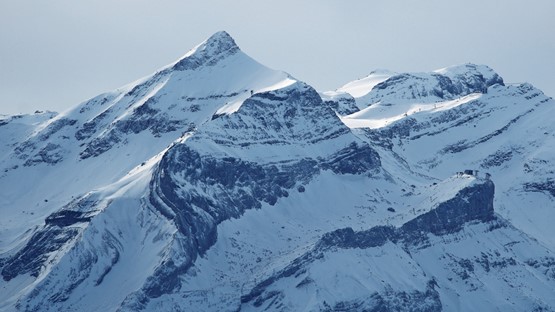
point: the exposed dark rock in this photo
(473, 203)
(497, 159)
(56, 126)
(305, 282)
(545, 264)
(545, 186)
(489, 262)
(343, 106)
(65, 218)
(30, 259)
(23, 149)
(57, 231)
(347, 238)
(391, 300)
(90, 127)
(50, 154)
(354, 159)
(383, 136)
(143, 118)
(100, 145)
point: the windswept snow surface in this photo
(361, 87)
(380, 115)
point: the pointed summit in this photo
(219, 46)
(221, 38)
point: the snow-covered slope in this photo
(217, 184)
(362, 87)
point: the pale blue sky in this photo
(55, 54)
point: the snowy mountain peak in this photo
(471, 73)
(210, 52)
(219, 41)
(471, 69)
(441, 85)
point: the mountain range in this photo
(218, 184)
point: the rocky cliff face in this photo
(198, 189)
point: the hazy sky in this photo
(57, 53)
